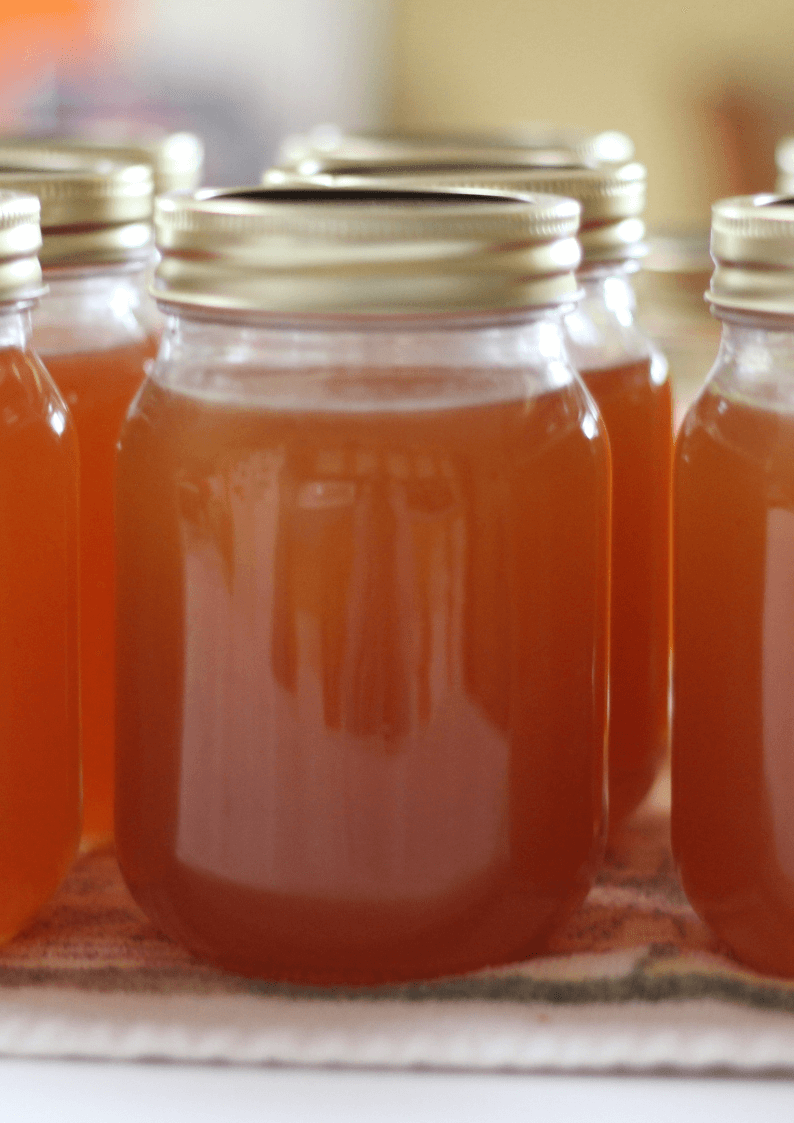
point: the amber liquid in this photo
(39, 684)
(733, 726)
(361, 662)
(638, 414)
(98, 387)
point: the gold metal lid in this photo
(329, 141)
(752, 245)
(93, 211)
(176, 159)
(20, 242)
(332, 250)
(612, 196)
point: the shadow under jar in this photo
(363, 534)
(733, 734)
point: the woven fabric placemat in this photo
(634, 981)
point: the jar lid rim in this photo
(324, 249)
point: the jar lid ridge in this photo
(20, 243)
(752, 246)
(176, 159)
(612, 196)
(328, 250)
(92, 211)
(328, 141)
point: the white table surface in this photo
(38, 1091)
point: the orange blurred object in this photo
(34, 33)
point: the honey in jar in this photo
(98, 387)
(39, 674)
(733, 735)
(92, 334)
(362, 510)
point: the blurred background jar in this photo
(91, 330)
(627, 376)
(362, 513)
(39, 670)
(705, 100)
(670, 286)
(176, 159)
(318, 148)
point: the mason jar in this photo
(39, 671)
(733, 735)
(363, 535)
(93, 334)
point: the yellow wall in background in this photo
(660, 72)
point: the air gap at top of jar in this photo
(733, 736)
(90, 331)
(362, 512)
(629, 380)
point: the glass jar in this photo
(675, 272)
(176, 161)
(363, 545)
(628, 377)
(733, 737)
(93, 336)
(39, 672)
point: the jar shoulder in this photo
(97, 312)
(361, 367)
(26, 382)
(602, 332)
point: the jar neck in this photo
(602, 330)
(253, 359)
(15, 325)
(398, 337)
(609, 281)
(92, 278)
(91, 308)
(756, 358)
